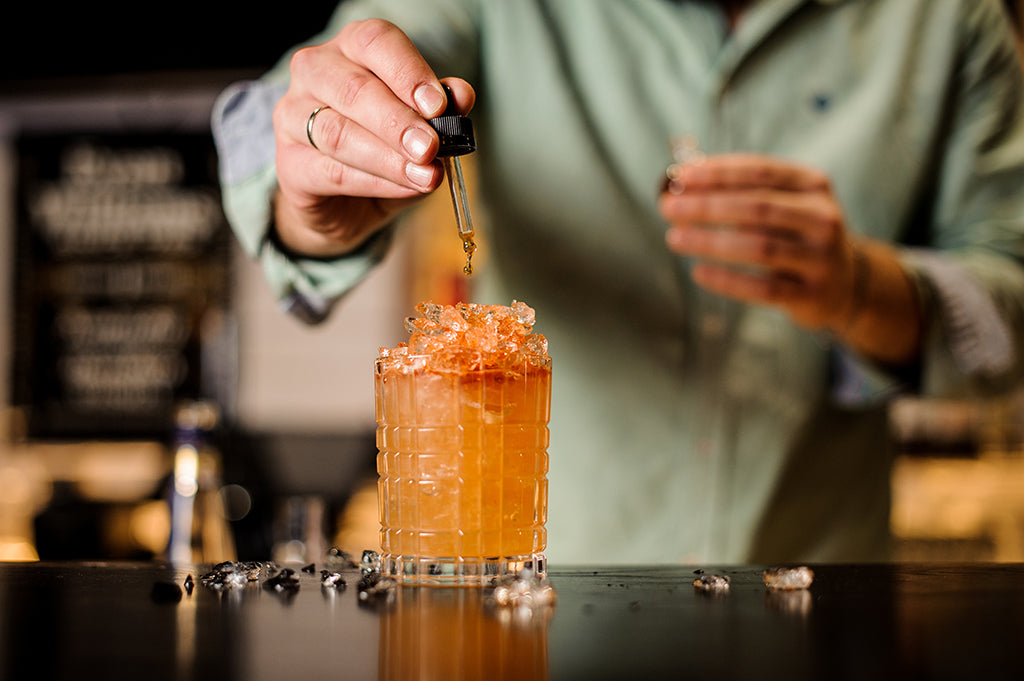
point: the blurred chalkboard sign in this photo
(121, 281)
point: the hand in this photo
(770, 232)
(765, 231)
(374, 151)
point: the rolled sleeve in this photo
(974, 322)
(973, 332)
(244, 136)
(243, 133)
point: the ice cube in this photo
(454, 320)
(368, 580)
(253, 569)
(370, 562)
(333, 580)
(377, 590)
(430, 310)
(224, 577)
(338, 559)
(285, 580)
(523, 590)
(711, 583)
(248, 570)
(482, 338)
(788, 578)
(535, 345)
(524, 313)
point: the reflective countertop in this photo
(900, 621)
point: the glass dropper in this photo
(455, 134)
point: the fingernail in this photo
(429, 99)
(673, 183)
(421, 176)
(683, 175)
(416, 142)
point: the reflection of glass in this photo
(453, 634)
(463, 464)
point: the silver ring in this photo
(309, 124)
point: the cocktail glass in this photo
(462, 435)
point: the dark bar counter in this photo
(135, 621)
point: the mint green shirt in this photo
(686, 427)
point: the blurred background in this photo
(146, 374)
(154, 401)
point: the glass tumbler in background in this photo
(462, 467)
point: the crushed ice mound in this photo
(469, 336)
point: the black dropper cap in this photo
(454, 130)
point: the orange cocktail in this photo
(462, 414)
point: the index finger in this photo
(750, 171)
(386, 51)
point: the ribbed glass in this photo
(462, 463)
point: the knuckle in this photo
(301, 59)
(832, 229)
(834, 222)
(821, 181)
(335, 172)
(764, 176)
(761, 209)
(333, 133)
(366, 33)
(766, 249)
(351, 86)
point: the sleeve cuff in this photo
(309, 288)
(967, 345)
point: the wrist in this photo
(883, 318)
(860, 275)
(291, 234)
